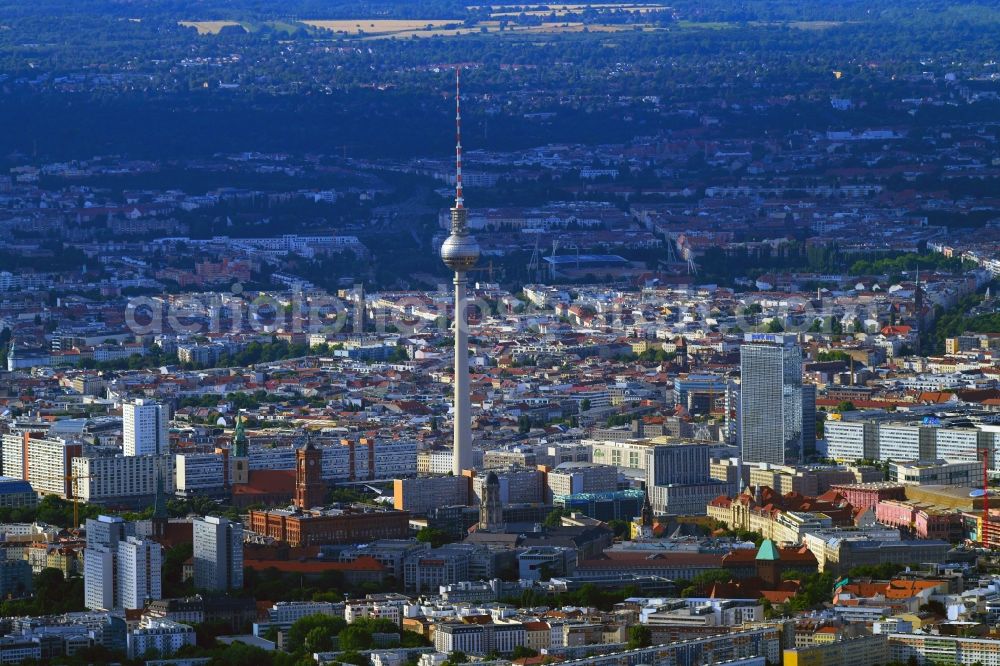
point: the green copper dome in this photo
(768, 551)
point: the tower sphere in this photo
(460, 252)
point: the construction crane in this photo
(534, 264)
(984, 536)
(71, 479)
(488, 269)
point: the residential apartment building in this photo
(861, 651)
(218, 554)
(43, 461)
(103, 479)
(938, 649)
(145, 427)
(164, 637)
(138, 567)
(200, 474)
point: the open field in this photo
(493, 28)
(381, 26)
(208, 27)
(815, 25)
(571, 7)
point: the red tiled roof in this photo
(267, 481)
(369, 564)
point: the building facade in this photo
(218, 554)
(771, 400)
(145, 427)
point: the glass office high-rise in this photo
(771, 400)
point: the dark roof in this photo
(11, 486)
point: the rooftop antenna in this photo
(459, 200)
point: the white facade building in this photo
(104, 478)
(138, 572)
(164, 636)
(145, 427)
(199, 473)
(99, 578)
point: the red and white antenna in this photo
(459, 200)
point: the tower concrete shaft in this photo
(462, 453)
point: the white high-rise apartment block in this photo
(104, 478)
(119, 570)
(145, 427)
(99, 577)
(218, 554)
(138, 572)
(42, 460)
(771, 402)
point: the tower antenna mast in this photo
(460, 252)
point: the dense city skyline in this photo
(417, 333)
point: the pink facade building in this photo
(922, 522)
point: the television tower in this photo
(460, 252)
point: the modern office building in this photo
(15, 579)
(615, 505)
(937, 473)
(145, 427)
(771, 400)
(902, 442)
(16, 493)
(697, 393)
(582, 477)
(424, 493)
(518, 485)
(679, 479)
(218, 554)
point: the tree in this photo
(355, 638)
(457, 657)
(523, 652)
(554, 519)
(319, 640)
(585, 404)
(639, 636)
(352, 657)
(434, 536)
(524, 424)
(935, 608)
(305, 627)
